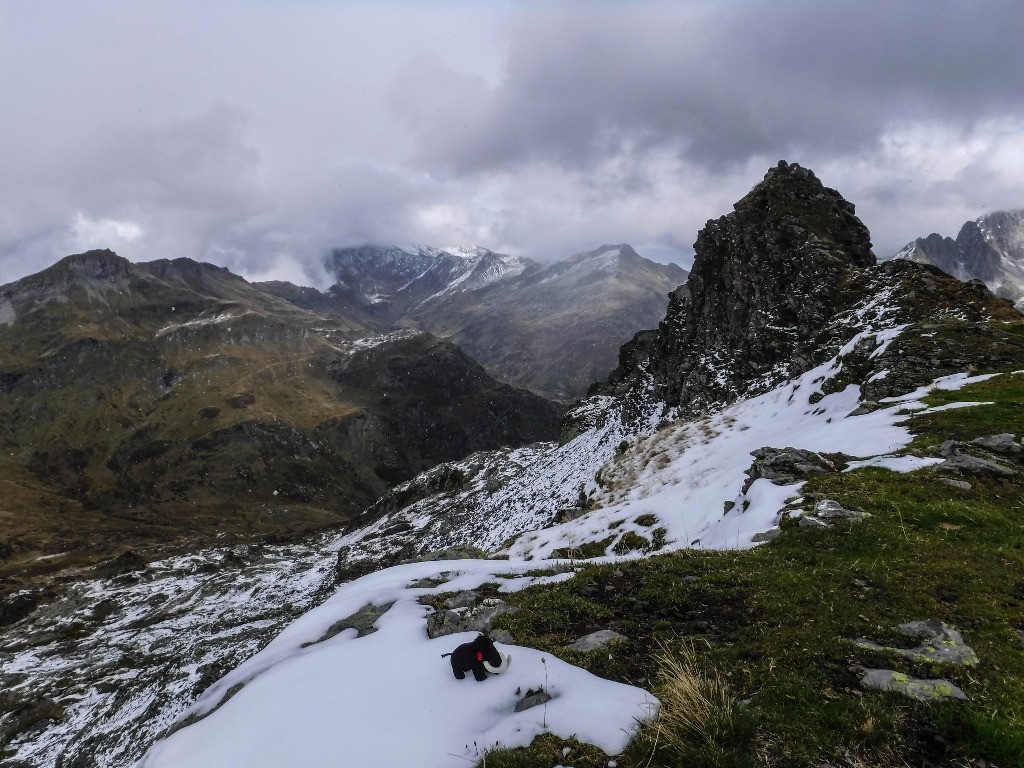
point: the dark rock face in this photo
(766, 279)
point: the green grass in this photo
(772, 623)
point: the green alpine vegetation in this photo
(763, 638)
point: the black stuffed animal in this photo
(481, 656)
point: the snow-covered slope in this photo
(387, 698)
(312, 696)
(404, 280)
(114, 662)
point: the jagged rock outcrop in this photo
(766, 280)
(990, 249)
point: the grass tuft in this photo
(700, 720)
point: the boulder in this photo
(1001, 443)
(827, 509)
(597, 640)
(915, 688)
(785, 466)
(972, 465)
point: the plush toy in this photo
(481, 656)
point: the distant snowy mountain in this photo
(553, 328)
(396, 281)
(990, 249)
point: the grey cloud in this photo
(723, 81)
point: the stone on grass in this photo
(963, 485)
(941, 644)
(597, 640)
(827, 509)
(972, 465)
(913, 687)
(1002, 443)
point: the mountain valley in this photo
(552, 328)
(792, 495)
(172, 402)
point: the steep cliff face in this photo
(766, 280)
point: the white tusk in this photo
(506, 659)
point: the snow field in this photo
(388, 698)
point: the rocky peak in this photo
(94, 266)
(766, 280)
(990, 249)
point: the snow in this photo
(199, 322)
(951, 407)
(895, 463)
(388, 338)
(388, 698)
(686, 473)
(7, 313)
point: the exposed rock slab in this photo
(533, 700)
(941, 644)
(363, 621)
(1005, 442)
(597, 640)
(477, 618)
(913, 687)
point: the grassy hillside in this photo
(172, 402)
(771, 627)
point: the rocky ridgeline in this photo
(780, 285)
(990, 249)
(766, 280)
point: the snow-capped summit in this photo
(554, 328)
(990, 249)
(397, 280)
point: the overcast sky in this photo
(258, 134)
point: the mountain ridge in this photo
(142, 404)
(552, 328)
(989, 248)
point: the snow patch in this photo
(388, 698)
(199, 322)
(895, 463)
(7, 313)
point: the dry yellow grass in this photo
(696, 708)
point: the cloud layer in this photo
(258, 135)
